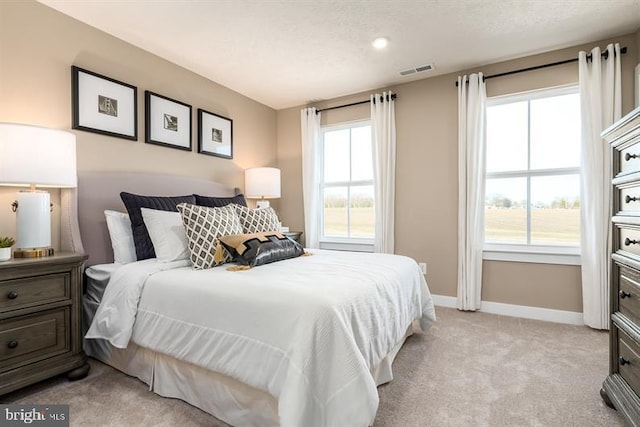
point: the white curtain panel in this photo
(383, 126)
(600, 98)
(310, 127)
(472, 100)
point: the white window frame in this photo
(545, 254)
(357, 244)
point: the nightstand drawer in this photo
(21, 293)
(629, 361)
(25, 338)
(629, 293)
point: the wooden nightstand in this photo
(40, 320)
(295, 235)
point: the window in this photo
(532, 195)
(347, 187)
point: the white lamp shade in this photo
(262, 183)
(34, 155)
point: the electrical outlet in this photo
(423, 267)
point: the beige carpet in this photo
(470, 369)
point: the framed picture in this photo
(167, 121)
(215, 135)
(103, 105)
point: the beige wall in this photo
(38, 45)
(426, 177)
(638, 44)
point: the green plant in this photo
(6, 242)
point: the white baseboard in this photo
(523, 311)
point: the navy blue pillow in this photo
(133, 203)
(218, 202)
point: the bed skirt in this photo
(227, 399)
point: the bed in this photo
(303, 341)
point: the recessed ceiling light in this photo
(380, 42)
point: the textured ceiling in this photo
(285, 53)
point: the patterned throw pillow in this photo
(204, 226)
(261, 248)
(257, 220)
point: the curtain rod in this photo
(605, 55)
(393, 96)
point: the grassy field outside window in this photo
(362, 222)
(549, 226)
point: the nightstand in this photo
(40, 320)
(295, 235)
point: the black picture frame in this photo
(167, 121)
(103, 105)
(215, 134)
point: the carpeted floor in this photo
(469, 369)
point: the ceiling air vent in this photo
(420, 69)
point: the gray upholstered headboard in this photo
(83, 224)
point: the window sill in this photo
(532, 254)
(347, 245)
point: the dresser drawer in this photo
(629, 241)
(26, 292)
(629, 199)
(629, 360)
(629, 293)
(26, 338)
(629, 159)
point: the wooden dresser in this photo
(40, 320)
(622, 387)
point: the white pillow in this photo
(119, 225)
(167, 234)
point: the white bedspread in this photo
(306, 330)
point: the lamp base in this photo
(33, 253)
(262, 204)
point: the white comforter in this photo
(306, 330)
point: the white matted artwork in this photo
(215, 134)
(103, 105)
(167, 122)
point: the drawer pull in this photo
(624, 361)
(628, 156)
(624, 295)
(12, 295)
(631, 199)
(12, 344)
(628, 242)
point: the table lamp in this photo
(33, 156)
(262, 183)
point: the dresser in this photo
(622, 387)
(40, 320)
